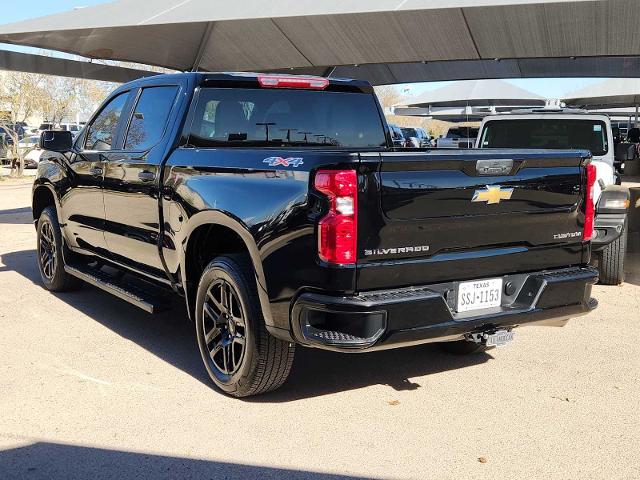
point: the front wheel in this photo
(611, 261)
(240, 355)
(50, 254)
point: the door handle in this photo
(96, 171)
(146, 176)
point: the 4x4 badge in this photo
(492, 194)
(283, 162)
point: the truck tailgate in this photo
(454, 215)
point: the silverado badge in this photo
(492, 194)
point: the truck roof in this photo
(547, 111)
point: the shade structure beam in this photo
(64, 67)
(206, 36)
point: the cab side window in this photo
(101, 133)
(150, 117)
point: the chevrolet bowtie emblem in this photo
(492, 194)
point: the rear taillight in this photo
(589, 210)
(293, 81)
(337, 230)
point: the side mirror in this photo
(58, 141)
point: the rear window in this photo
(547, 133)
(271, 117)
(409, 132)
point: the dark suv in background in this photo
(416, 137)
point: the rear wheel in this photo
(611, 261)
(240, 355)
(464, 347)
(50, 257)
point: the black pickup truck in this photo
(278, 208)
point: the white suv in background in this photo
(574, 129)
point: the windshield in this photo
(273, 117)
(409, 132)
(547, 133)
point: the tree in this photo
(23, 95)
(20, 97)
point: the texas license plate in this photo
(479, 294)
(499, 339)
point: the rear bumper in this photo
(410, 316)
(607, 229)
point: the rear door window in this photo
(150, 117)
(271, 117)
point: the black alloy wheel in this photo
(223, 324)
(240, 355)
(47, 251)
(50, 249)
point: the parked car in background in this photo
(417, 137)
(74, 128)
(32, 159)
(397, 137)
(458, 137)
(574, 129)
(7, 134)
(30, 150)
(46, 126)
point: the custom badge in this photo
(492, 194)
(283, 162)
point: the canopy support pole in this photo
(637, 111)
(201, 48)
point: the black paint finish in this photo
(140, 210)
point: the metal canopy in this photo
(609, 93)
(389, 40)
(446, 114)
(24, 62)
(477, 93)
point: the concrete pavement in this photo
(91, 387)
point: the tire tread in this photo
(611, 261)
(274, 357)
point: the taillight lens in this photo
(589, 210)
(293, 81)
(337, 230)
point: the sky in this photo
(550, 88)
(12, 12)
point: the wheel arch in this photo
(219, 223)
(43, 196)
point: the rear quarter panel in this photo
(270, 207)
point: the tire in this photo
(228, 321)
(611, 260)
(50, 254)
(464, 347)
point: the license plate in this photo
(499, 339)
(479, 294)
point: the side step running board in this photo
(122, 289)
